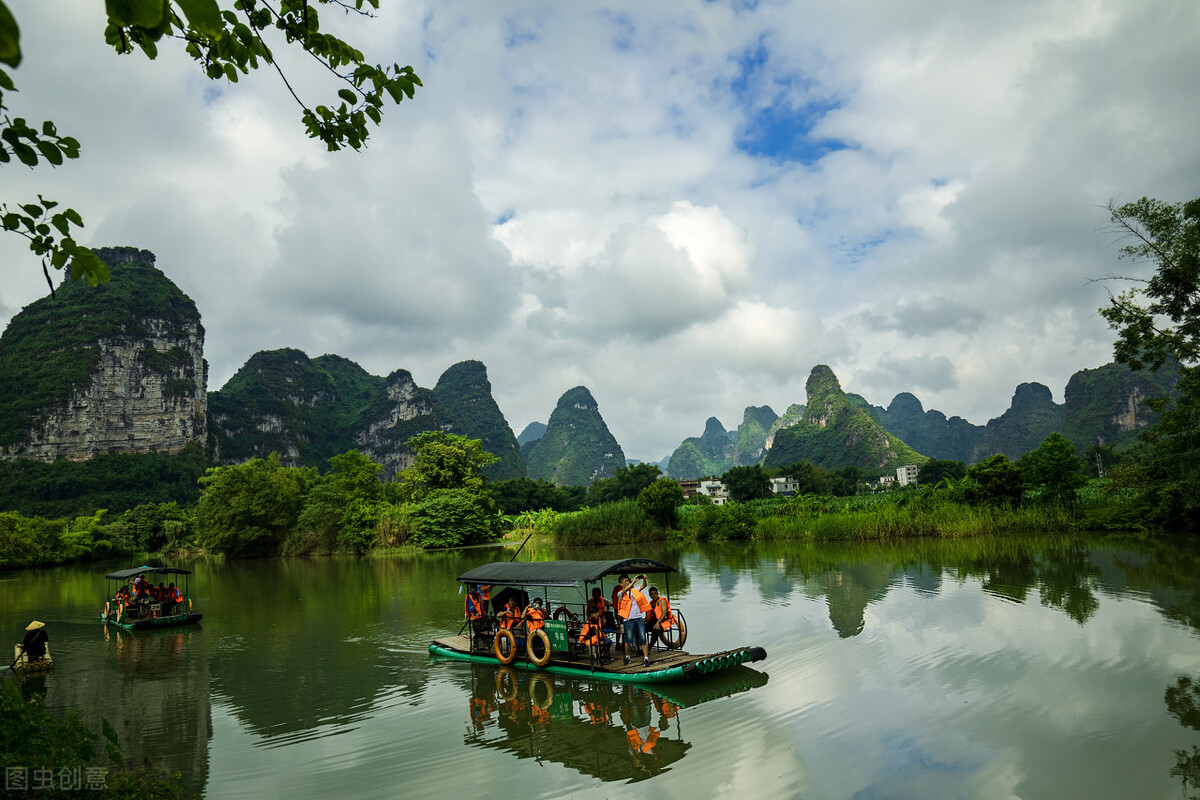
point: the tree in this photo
(661, 501)
(1158, 322)
(626, 483)
(444, 461)
(343, 508)
(247, 509)
(224, 41)
(935, 470)
(1053, 468)
(746, 483)
(994, 481)
(452, 517)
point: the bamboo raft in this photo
(665, 666)
(23, 665)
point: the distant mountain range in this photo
(119, 369)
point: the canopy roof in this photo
(126, 574)
(558, 573)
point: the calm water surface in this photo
(1033, 668)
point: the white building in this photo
(786, 486)
(715, 490)
(907, 475)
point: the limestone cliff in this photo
(403, 411)
(115, 368)
(577, 447)
(463, 397)
(835, 433)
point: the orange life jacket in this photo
(534, 620)
(510, 615)
(473, 606)
(597, 604)
(176, 595)
(662, 613)
(626, 601)
(589, 634)
(636, 743)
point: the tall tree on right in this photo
(1158, 321)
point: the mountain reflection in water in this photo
(611, 731)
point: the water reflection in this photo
(1183, 703)
(610, 731)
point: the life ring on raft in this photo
(538, 636)
(540, 679)
(562, 612)
(106, 611)
(509, 694)
(505, 646)
(121, 611)
(189, 605)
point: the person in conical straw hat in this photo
(34, 644)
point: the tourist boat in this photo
(555, 648)
(148, 613)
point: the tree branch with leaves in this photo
(226, 41)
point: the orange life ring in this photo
(562, 612)
(508, 653)
(106, 610)
(538, 635)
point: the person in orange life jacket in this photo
(510, 614)
(174, 595)
(659, 618)
(598, 604)
(534, 616)
(632, 606)
(591, 635)
(141, 589)
(476, 611)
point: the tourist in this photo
(591, 636)
(534, 616)
(632, 606)
(659, 619)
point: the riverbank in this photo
(26, 542)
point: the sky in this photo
(683, 206)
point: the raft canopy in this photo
(558, 573)
(126, 574)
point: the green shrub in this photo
(452, 517)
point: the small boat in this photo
(135, 612)
(555, 647)
(24, 666)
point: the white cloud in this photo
(566, 199)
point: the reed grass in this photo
(622, 522)
(894, 521)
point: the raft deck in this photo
(665, 665)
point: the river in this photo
(1034, 667)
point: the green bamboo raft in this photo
(665, 667)
(554, 646)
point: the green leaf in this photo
(25, 153)
(73, 215)
(31, 209)
(10, 40)
(142, 13)
(347, 95)
(203, 15)
(50, 153)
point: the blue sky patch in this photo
(776, 126)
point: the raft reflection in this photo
(611, 731)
